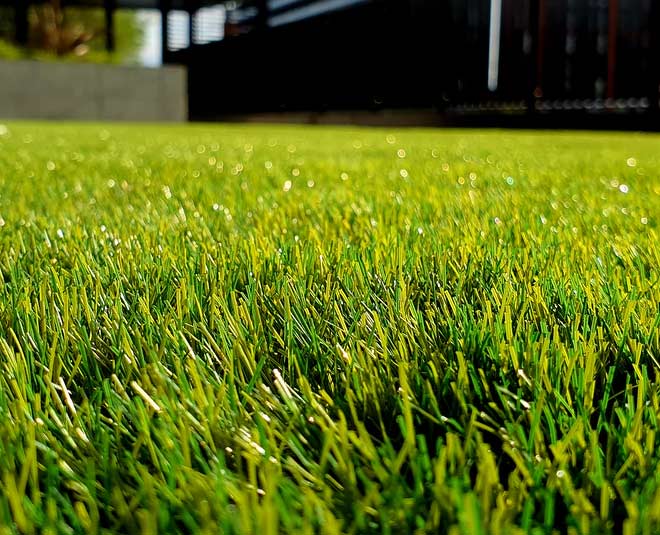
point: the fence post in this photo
(261, 20)
(613, 26)
(531, 45)
(540, 50)
(191, 25)
(654, 59)
(21, 21)
(164, 6)
(109, 7)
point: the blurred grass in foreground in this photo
(314, 330)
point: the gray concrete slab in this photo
(35, 90)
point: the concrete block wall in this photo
(37, 90)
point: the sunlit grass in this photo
(310, 330)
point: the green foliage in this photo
(128, 38)
(10, 51)
(324, 330)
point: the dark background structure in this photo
(561, 62)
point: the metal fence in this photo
(461, 56)
(559, 55)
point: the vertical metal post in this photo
(654, 59)
(612, 30)
(191, 26)
(21, 21)
(109, 7)
(530, 48)
(261, 20)
(164, 6)
(540, 48)
(192, 13)
(494, 44)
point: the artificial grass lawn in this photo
(313, 330)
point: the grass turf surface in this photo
(314, 330)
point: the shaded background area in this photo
(558, 58)
(565, 59)
(560, 62)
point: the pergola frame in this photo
(259, 21)
(21, 8)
